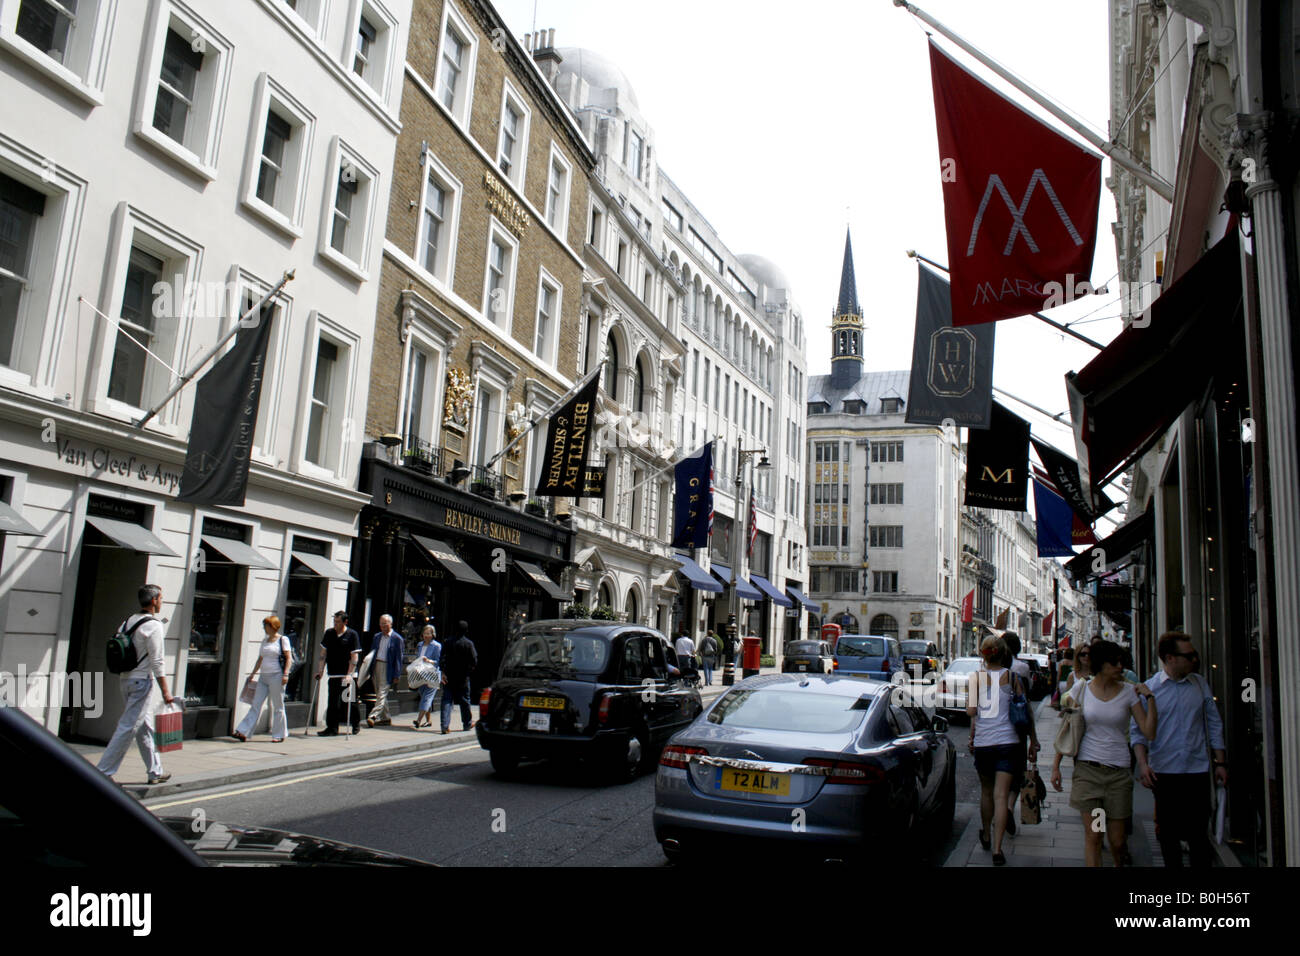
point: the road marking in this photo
(315, 776)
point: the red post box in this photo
(751, 655)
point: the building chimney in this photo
(544, 53)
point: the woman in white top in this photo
(997, 746)
(1102, 785)
(273, 661)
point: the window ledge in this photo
(309, 470)
(187, 158)
(55, 71)
(340, 261)
(120, 411)
(272, 216)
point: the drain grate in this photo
(399, 773)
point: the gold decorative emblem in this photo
(459, 396)
(516, 422)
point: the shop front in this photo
(430, 553)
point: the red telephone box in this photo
(831, 634)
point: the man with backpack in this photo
(136, 653)
(709, 656)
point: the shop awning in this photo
(746, 590)
(322, 566)
(11, 522)
(1124, 399)
(543, 580)
(1116, 547)
(131, 536)
(449, 559)
(802, 598)
(764, 585)
(238, 553)
(699, 578)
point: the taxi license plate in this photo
(543, 703)
(539, 722)
(803, 666)
(750, 781)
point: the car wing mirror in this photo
(940, 724)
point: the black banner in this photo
(952, 368)
(225, 417)
(564, 466)
(997, 463)
(1064, 473)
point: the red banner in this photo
(968, 607)
(1047, 623)
(1020, 202)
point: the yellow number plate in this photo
(543, 703)
(749, 781)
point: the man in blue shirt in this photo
(1175, 766)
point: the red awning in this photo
(1124, 399)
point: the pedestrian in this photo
(386, 669)
(1082, 670)
(273, 660)
(685, 648)
(1174, 763)
(1126, 662)
(146, 634)
(709, 656)
(458, 663)
(995, 740)
(340, 648)
(429, 649)
(1020, 669)
(1101, 788)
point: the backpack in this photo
(120, 653)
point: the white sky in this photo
(782, 131)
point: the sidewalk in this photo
(1058, 839)
(222, 761)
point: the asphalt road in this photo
(448, 807)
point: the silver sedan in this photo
(834, 765)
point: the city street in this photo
(448, 807)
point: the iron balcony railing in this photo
(421, 456)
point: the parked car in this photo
(1039, 679)
(952, 686)
(863, 768)
(812, 656)
(869, 655)
(582, 689)
(61, 811)
(920, 659)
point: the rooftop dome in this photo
(600, 72)
(767, 272)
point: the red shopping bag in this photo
(167, 727)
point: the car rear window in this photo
(557, 655)
(798, 711)
(963, 667)
(915, 647)
(804, 647)
(861, 647)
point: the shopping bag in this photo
(421, 672)
(168, 727)
(249, 692)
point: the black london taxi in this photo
(590, 690)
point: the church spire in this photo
(846, 325)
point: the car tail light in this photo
(835, 663)
(602, 714)
(885, 667)
(849, 771)
(679, 757)
(484, 699)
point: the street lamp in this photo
(743, 457)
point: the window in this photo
(891, 406)
(844, 579)
(885, 624)
(887, 494)
(21, 212)
(726, 398)
(548, 318)
(47, 25)
(484, 446)
(596, 233)
(181, 110)
(512, 142)
(886, 536)
(673, 216)
(439, 217)
(456, 60)
(136, 330)
(621, 261)
(365, 46)
(611, 368)
(368, 52)
(885, 582)
(328, 397)
(308, 11)
(346, 228)
(322, 397)
(499, 280)
(434, 235)
(63, 39)
(638, 499)
(557, 193)
(635, 154)
(886, 451)
(276, 171)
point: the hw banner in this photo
(952, 369)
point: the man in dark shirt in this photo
(458, 661)
(340, 648)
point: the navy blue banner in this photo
(1055, 521)
(693, 504)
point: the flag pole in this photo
(234, 330)
(1118, 154)
(912, 253)
(672, 464)
(586, 379)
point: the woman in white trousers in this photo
(273, 662)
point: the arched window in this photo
(606, 595)
(639, 379)
(611, 369)
(884, 625)
(631, 608)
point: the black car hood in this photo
(232, 844)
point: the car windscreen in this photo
(915, 647)
(803, 647)
(798, 711)
(557, 655)
(963, 667)
(860, 647)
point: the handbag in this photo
(422, 672)
(249, 692)
(1070, 733)
(1019, 707)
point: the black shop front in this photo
(431, 553)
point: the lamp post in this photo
(743, 457)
